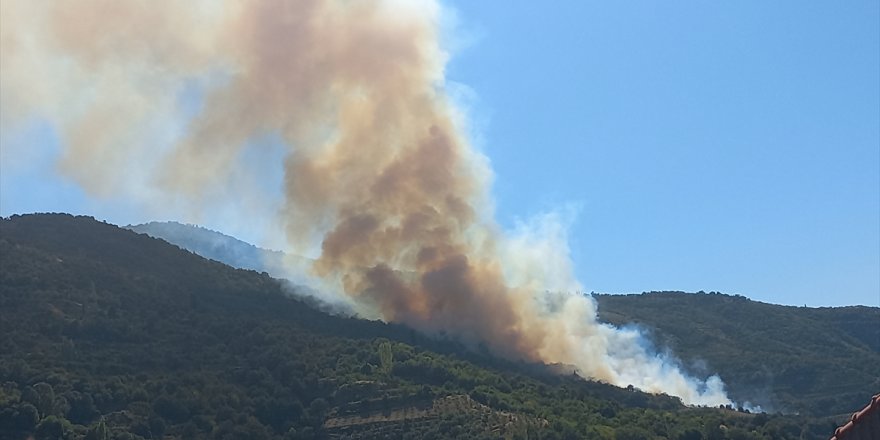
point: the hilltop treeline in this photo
(817, 361)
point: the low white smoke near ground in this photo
(161, 102)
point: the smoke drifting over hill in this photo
(159, 102)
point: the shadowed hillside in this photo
(106, 333)
(793, 359)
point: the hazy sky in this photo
(728, 146)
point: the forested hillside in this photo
(105, 333)
(795, 359)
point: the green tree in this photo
(50, 428)
(631, 433)
(23, 417)
(82, 407)
(386, 357)
(98, 432)
(45, 399)
(318, 410)
(690, 434)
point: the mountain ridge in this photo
(106, 329)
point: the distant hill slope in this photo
(808, 360)
(105, 333)
(216, 246)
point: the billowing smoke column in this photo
(156, 101)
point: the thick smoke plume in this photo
(160, 101)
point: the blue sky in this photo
(726, 146)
